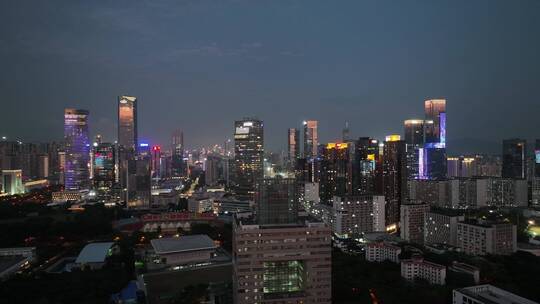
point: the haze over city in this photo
(198, 65)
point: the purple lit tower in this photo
(77, 149)
(432, 158)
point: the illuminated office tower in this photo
(293, 149)
(248, 155)
(127, 123)
(335, 171)
(156, 162)
(366, 155)
(432, 158)
(514, 158)
(435, 110)
(178, 167)
(537, 159)
(139, 183)
(394, 178)
(76, 175)
(12, 182)
(104, 166)
(311, 139)
(414, 139)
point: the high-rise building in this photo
(537, 159)
(394, 178)
(335, 178)
(276, 201)
(293, 147)
(311, 139)
(412, 222)
(178, 165)
(76, 175)
(277, 258)
(139, 183)
(440, 226)
(248, 155)
(414, 139)
(127, 123)
(432, 162)
(214, 169)
(356, 215)
(156, 162)
(514, 157)
(435, 110)
(12, 182)
(104, 165)
(366, 155)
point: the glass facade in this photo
(104, 165)
(283, 277)
(311, 138)
(76, 175)
(127, 122)
(248, 155)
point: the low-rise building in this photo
(95, 255)
(487, 294)
(471, 270)
(184, 250)
(416, 267)
(480, 239)
(381, 251)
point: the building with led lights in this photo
(335, 175)
(76, 176)
(366, 158)
(104, 166)
(394, 177)
(127, 123)
(12, 182)
(248, 155)
(178, 165)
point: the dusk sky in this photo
(199, 65)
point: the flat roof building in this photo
(184, 250)
(487, 294)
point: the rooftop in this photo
(183, 243)
(490, 294)
(94, 253)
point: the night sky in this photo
(199, 65)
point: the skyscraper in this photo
(248, 155)
(293, 149)
(537, 159)
(276, 201)
(414, 139)
(178, 167)
(432, 158)
(366, 155)
(127, 123)
(394, 178)
(278, 258)
(435, 110)
(514, 157)
(77, 149)
(335, 171)
(311, 139)
(104, 166)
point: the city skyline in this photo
(275, 67)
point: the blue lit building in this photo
(76, 175)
